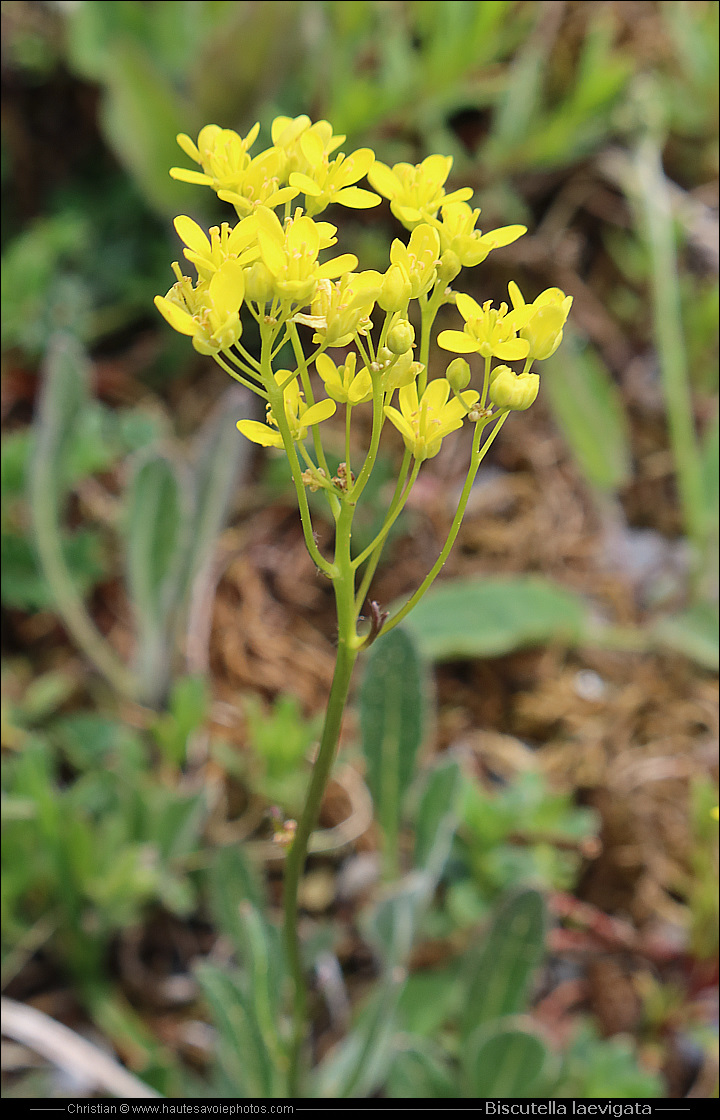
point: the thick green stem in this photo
(347, 652)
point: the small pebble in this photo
(589, 685)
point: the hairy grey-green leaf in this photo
(391, 721)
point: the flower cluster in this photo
(276, 265)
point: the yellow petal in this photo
(326, 367)
(356, 198)
(193, 236)
(457, 341)
(179, 320)
(512, 350)
(515, 295)
(384, 180)
(227, 287)
(259, 433)
(318, 412)
(312, 148)
(437, 393)
(401, 424)
(186, 176)
(305, 184)
(344, 263)
(303, 237)
(468, 307)
(357, 165)
(436, 168)
(408, 398)
(188, 146)
(505, 235)
(271, 239)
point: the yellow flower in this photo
(298, 414)
(209, 313)
(416, 193)
(224, 244)
(287, 136)
(488, 331)
(418, 259)
(344, 384)
(515, 391)
(290, 255)
(259, 184)
(342, 309)
(458, 234)
(222, 154)
(424, 423)
(542, 322)
(324, 181)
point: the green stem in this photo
(428, 313)
(478, 454)
(238, 377)
(392, 516)
(347, 652)
(375, 558)
(377, 425)
(277, 403)
(309, 395)
(486, 383)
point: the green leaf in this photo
(94, 742)
(437, 817)
(24, 585)
(500, 977)
(158, 523)
(710, 464)
(14, 457)
(588, 409)
(232, 879)
(391, 721)
(503, 1062)
(141, 114)
(64, 397)
(220, 457)
(429, 1000)
(597, 1068)
(157, 509)
(188, 706)
(494, 616)
(358, 1065)
(693, 632)
(419, 1072)
(390, 926)
(242, 1052)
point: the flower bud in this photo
(458, 374)
(449, 266)
(395, 290)
(511, 390)
(403, 371)
(258, 283)
(401, 337)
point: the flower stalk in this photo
(361, 353)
